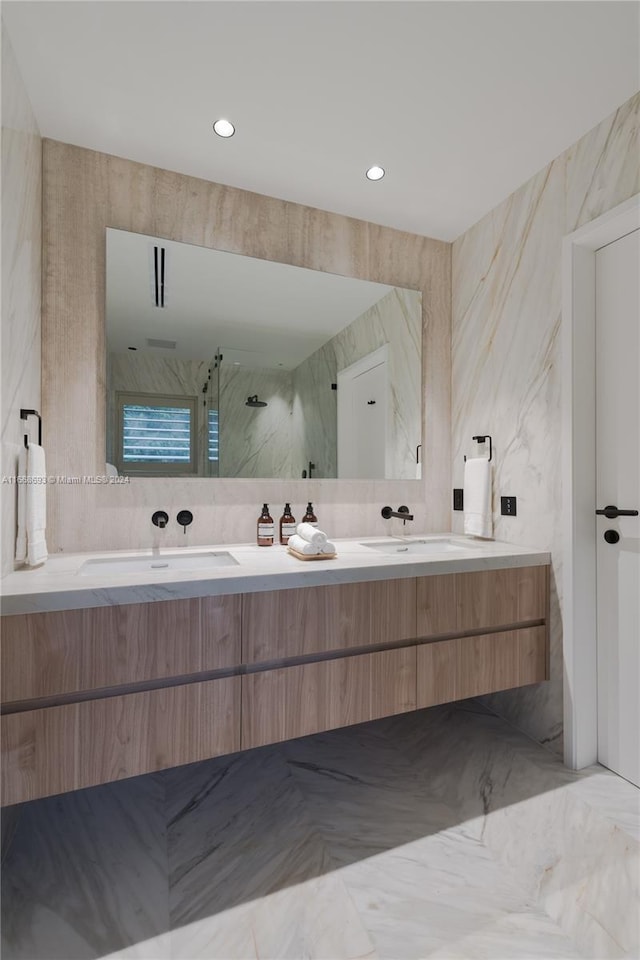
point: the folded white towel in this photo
(311, 534)
(31, 545)
(300, 545)
(478, 517)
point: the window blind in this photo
(156, 434)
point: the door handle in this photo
(612, 512)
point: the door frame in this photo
(579, 476)
(373, 359)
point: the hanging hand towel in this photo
(311, 534)
(31, 547)
(21, 542)
(478, 517)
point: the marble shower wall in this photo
(506, 358)
(86, 191)
(255, 441)
(21, 272)
(314, 412)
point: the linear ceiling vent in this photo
(163, 344)
(158, 275)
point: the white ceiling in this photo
(260, 313)
(461, 102)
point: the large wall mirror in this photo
(221, 365)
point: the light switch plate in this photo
(508, 506)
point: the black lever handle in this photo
(612, 512)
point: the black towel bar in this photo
(482, 438)
(31, 413)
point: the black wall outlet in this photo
(508, 506)
(458, 498)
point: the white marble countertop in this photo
(58, 584)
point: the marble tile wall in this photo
(21, 266)
(131, 196)
(255, 441)
(315, 412)
(506, 361)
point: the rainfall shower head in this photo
(254, 402)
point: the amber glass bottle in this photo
(287, 524)
(266, 527)
(310, 516)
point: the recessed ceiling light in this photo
(375, 173)
(224, 128)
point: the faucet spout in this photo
(402, 513)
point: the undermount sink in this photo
(160, 562)
(434, 546)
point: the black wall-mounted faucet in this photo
(402, 513)
(160, 519)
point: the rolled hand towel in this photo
(311, 534)
(300, 545)
(328, 547)
(478, 518)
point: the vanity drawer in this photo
(300, 700)
(460, 602)
(48, 654)
(57, 749)
(470, 666)
(308, 620)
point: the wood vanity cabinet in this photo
(49, 654)
(307, 698)
(59, 748)
(474, 657)
(316, 620)
(96, 695)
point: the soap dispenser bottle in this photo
(310, 516)
(266, 527)
(287, 524)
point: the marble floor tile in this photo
(244, 835)
(442, 833)
(314, 919)
(86, 873)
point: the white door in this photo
(618, 485)
(362, 418)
